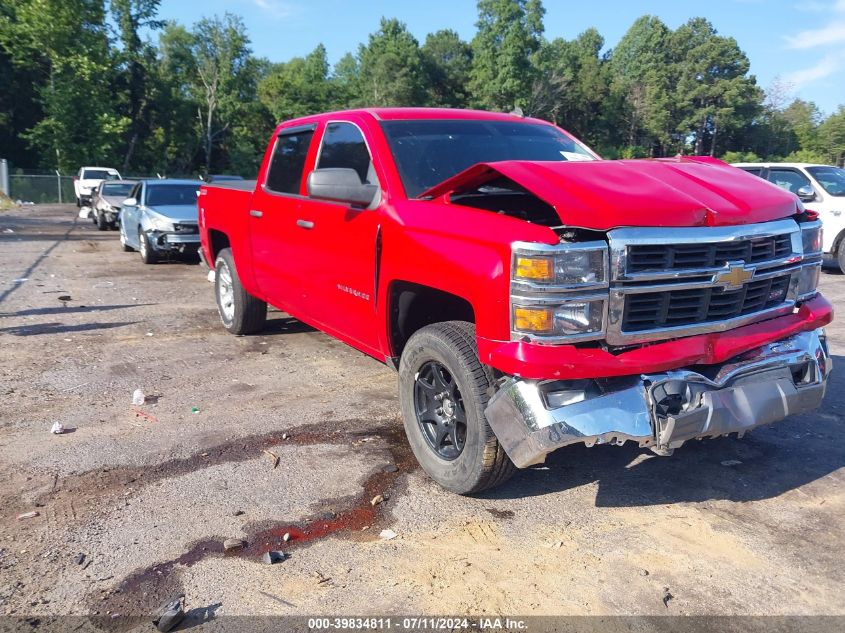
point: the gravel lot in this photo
(148, 494)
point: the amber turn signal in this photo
(534, 268)
(532, 319)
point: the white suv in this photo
(87, 179)
(821, 188)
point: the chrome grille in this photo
(676, 308)
(674, 282)
(655, 257)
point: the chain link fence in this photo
(49, 188)
(41, 188)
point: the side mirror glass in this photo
(806, 193)
(340, 184)
(129, 202)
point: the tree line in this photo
(97, 82)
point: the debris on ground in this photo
(284, 436)
(211, 276)
(390, 468)
(286, 537)
(195, 410)
(79, 558)
(64, 298)
(731, 462)
(275, 458)
(377, 500)
(237, 513)
(58, 428)
(28, 515)
(643, 572)
(273, 556)
(387, 534)
(145, 415)
(233, 543)
(667, 596)
(138, 397)
(170, 614)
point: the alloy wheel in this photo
(440, 410)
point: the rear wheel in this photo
(240, 312)
(148, 255)
(443, 390)
(840, 255)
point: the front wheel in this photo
(443, 391)
(148, 255)
(102, 223)
(240, 312)
(840, 255)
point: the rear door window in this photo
(788, 179)
(288, 161)
(344, 146)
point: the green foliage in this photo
(740, 157)
(391, 69)
(504, 49)
(447, 61)
(83, 84)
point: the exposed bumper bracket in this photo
(665, 410)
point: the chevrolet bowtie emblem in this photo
(735, 277)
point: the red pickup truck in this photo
(529, 294)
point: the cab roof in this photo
(418, 114)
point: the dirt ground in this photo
(147, 495)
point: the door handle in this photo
(256, 214)
(305, 224)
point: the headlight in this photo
(808, 279)
(811, 238)
(569, 266)
(559, 293)
(575, 318)
(159, 223)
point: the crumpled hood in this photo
(604, 194)
(177, 212)
(115, 201)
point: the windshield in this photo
(117, 189)
(831, 178)
(172, 194)
(430, 151)
(98, 174)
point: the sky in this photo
(798, 42)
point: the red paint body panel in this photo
(332, 278)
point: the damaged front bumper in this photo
(174, 241)
(662, 410)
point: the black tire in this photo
(239, 311)
(840, 255)
(481, 462)
(79, 202)
(148, 255)
(102, 224)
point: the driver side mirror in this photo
(340, 184)
(806, 193)
(129, 202)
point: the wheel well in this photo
(218, 240)
(413, 306)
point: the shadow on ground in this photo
(61, 328)
(773, 460)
